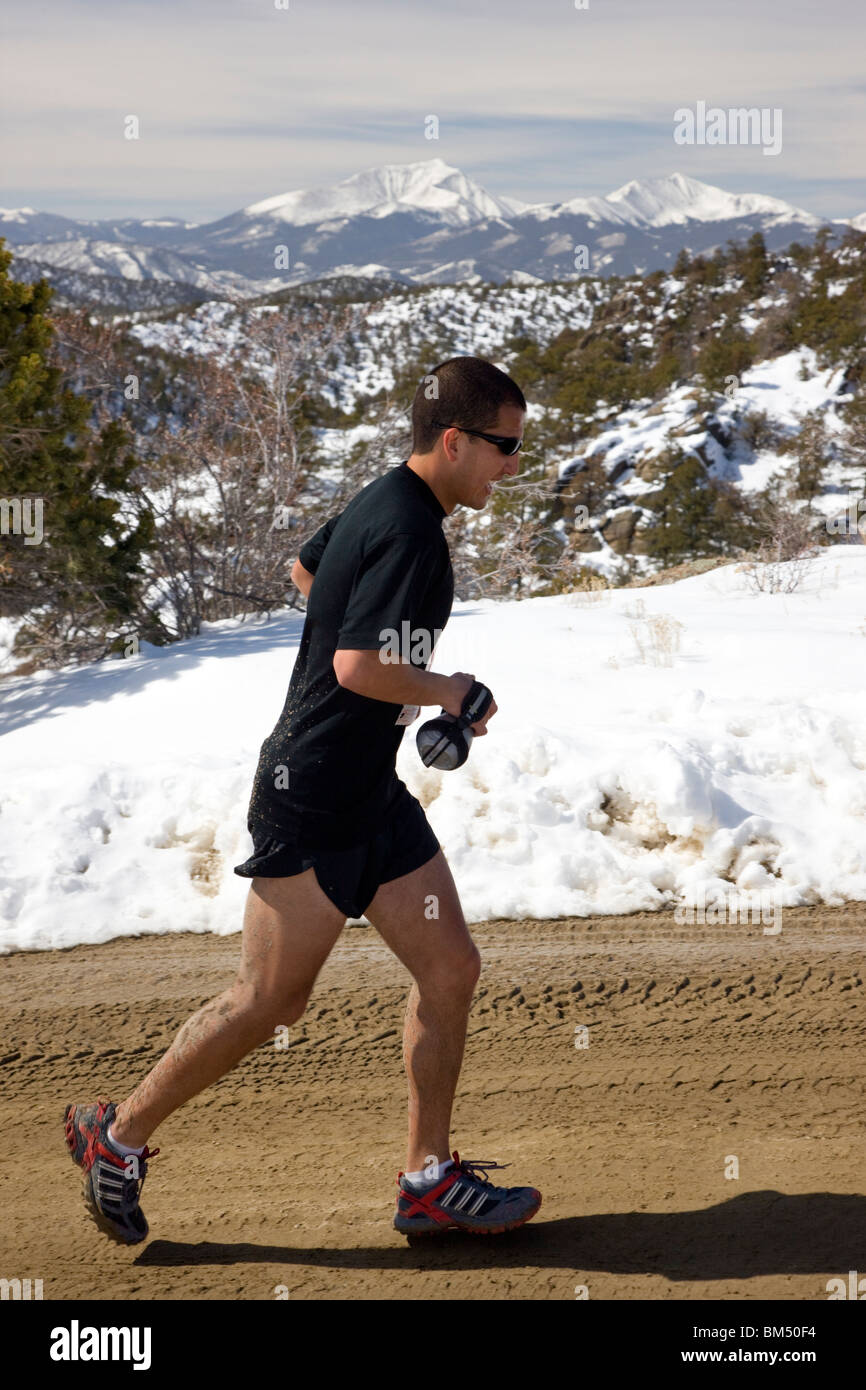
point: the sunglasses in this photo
(505, 443)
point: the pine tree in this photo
(854, 445)
(725, 354)
(694, 515)
(812, 455)
(69, 559)
(754, 265)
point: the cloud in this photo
(238, 100)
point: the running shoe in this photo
(465, 1200)
(112, 1180)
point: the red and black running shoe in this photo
(112, 1180)
(465, 1200)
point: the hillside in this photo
(717, 366)
(711, 412)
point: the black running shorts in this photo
(349, 877)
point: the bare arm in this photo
(401, 683)
(302, 579)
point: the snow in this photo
(428, 185)
(787, 388)
(673, 201)
(608, 782)
(442, 321)
(129, 261)
(168, 222)
(8, 630)
(438, 202)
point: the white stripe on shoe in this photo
(458, 1206)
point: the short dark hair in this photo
(468, 392)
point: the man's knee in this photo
(276, 1006)
(454, 973)
(473, 966)
(290, 1005)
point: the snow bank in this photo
(609, 782)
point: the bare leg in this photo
(445, 963)
(289, 930)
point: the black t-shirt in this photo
(326, 774)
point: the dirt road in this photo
(707, 1141)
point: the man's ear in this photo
(453, 435)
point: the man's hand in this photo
(461, 685)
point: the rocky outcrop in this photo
(619, 527)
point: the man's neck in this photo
(426, 469)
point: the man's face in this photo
(479, 465)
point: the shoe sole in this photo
(412, 1226)
(69, 1133)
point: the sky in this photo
(239, 100)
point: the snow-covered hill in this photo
(445, 320)
(744, 438)
(127, 261)
(787, 388)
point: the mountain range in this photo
(420, 223)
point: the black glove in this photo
(444, 742)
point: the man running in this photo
(337, 834)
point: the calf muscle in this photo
(289, 930)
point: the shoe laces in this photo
(141, 1159)
(475, 1166)
(134, 1181)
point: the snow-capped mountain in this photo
(674, 201)
(423, 223)
(27, 225)
(431, 186)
